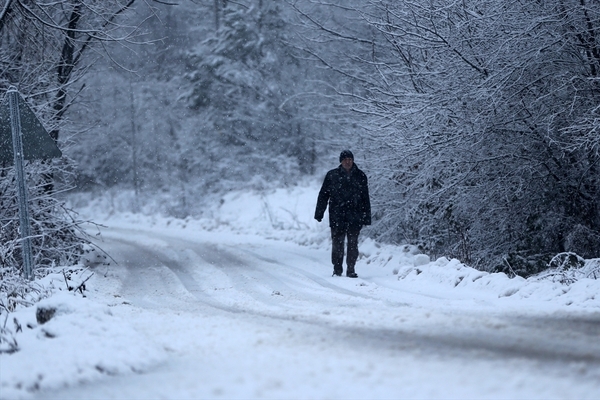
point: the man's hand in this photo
(366, 220)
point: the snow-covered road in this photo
(245, 317)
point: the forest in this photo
(477, 121)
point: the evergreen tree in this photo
(239, 79)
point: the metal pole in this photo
(15, 119)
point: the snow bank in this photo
(81, 341)
(282, 214)
(416, 269)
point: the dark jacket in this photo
(348, 197)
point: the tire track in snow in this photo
(517, 338)
(236, 263)
(248, 280)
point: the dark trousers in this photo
(337, 249)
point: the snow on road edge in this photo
(85, 340)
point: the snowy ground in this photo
(241, 304)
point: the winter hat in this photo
(346, 154)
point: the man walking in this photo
(346, 189)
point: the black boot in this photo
(350, 273)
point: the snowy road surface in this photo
(246, 317)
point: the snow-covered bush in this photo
(523, 264)
(568, 268)
(56, 234)
(15, 291)
(18, 293)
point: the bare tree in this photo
(44, 47)
(45, 50)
